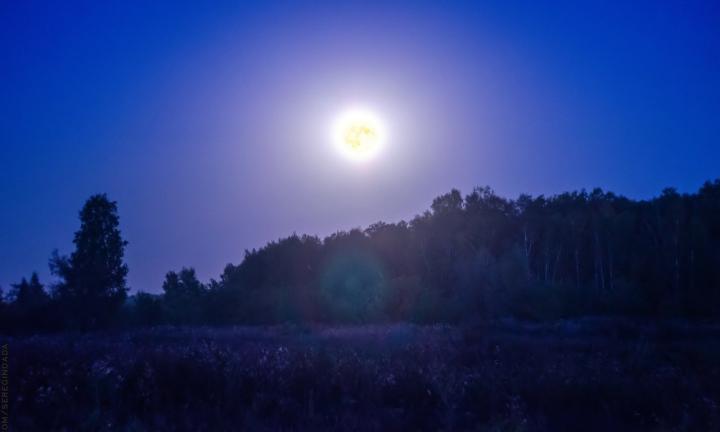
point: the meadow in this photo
(585, 374)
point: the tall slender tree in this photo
(93, 286)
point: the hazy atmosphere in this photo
(212, 126)
(360, 216)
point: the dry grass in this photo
(580, 375)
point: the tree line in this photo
(477, 256)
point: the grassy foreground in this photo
(592, 374)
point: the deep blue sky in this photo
(209, 124)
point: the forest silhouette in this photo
(466, 259)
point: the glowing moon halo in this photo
(358, 134)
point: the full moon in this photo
(358, 134)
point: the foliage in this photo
(183, 297)
(29, 305)
(92, 286)
(484, 256)
(468, 258)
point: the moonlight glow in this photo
(358, 134)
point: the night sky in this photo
(210, 125)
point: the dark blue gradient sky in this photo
(209, 125)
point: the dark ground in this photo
(590, 374)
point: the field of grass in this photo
(593, 374)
